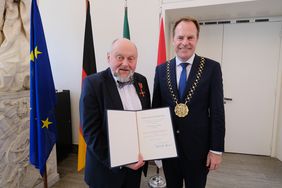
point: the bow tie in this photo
(122, 84)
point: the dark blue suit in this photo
(99, 93)
(204, 127)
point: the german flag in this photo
(89, 67)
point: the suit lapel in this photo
(112, 90)
(172, 69)
(192, 74)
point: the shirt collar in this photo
(190, 60)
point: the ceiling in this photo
(249, 9)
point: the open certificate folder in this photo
(148, 132)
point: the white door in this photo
(249, 59)
(210, 42)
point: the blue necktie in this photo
(182, 80)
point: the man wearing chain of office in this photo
(192, 86)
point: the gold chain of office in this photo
(181, 109)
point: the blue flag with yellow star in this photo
(42, 95)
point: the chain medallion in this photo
(181, 109)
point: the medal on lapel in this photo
(141, 93)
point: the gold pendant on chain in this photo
(181, 110)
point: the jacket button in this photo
(177, 131)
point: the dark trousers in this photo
(193, 172)
(126, 179)
(132, 179)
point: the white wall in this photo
(64, 23)
(64, 30)
(279, 135)
(172, 4)
(278, 149)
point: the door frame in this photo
(274, 140)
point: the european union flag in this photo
(42, 95)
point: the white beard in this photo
(124, 79)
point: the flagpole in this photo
(160, 13)
(157, 180)
(88, 67)
(42, 89)
(45, 180)
(126, 32)
(162, 47)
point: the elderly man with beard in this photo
(119, 88)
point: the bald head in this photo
(122, 58)
(122, 43)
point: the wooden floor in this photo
(237, 171)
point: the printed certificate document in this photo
(148, 132)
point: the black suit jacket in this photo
(204, 127)
(99, 93)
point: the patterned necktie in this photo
(182, 80)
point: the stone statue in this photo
(14, 45)
(15, 169)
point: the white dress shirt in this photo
(129, 97)
(179, 67)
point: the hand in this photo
(213, 161)
(139, 164)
